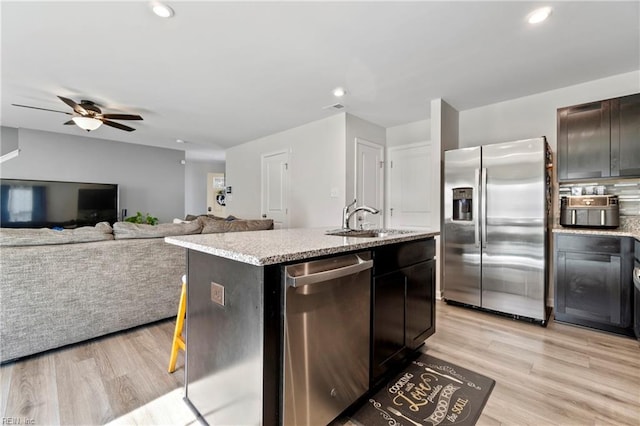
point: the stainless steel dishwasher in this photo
(326, 337)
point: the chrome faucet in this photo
(346, 215)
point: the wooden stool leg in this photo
(178, 341)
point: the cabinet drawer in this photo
(396, 256)
(590, 243)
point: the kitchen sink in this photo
(366, 233)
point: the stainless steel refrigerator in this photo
(495, 227)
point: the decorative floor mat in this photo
(429, 391)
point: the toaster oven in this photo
(593, 211)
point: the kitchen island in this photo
(238, 367)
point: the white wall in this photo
(150, 179)
(405, 134)
(317, 165)
(535, 115)
(195, 180)
(358, 128)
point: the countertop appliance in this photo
(495, 227)
(326, 337)
(593, 211)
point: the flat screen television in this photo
(49, 204)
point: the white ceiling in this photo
(223, 73)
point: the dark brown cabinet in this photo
(599, 139)
(593, 282)
(402, 303)
(625, 136)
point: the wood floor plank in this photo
(32, 391)
(83, 398)
(566, 391)
(5, 382)
(559, 375)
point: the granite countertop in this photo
(285, 245)
(629, 227)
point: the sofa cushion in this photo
(45, 236)
(191, 217)
(127, 230)
(211, 226)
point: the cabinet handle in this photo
(602, 217)
(573, 217)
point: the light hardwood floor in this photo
(559, 375)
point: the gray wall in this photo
(151, 179)
(195, 194)
(8, 140)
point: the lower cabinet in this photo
(403, 304)
(593, 282)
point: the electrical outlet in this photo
(217, 293)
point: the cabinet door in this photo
(584, 142)
(589, 290)
(388, 320)
(419, 305)
(625, 136)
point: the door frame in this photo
(391, 149)
(381, 183)
(285, 223)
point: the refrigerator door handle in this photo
(476, 202)
(483, 200)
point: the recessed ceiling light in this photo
(539, 15)
(339, 92)
(179, 141)
(162, 10)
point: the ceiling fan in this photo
(88, 116)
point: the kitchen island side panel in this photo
(225, 339)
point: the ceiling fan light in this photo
(87, 123)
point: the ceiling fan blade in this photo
(118, 125)
(77, 108)
(69, 122)
(122, 116)
(43, 109)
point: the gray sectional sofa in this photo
(64, 287)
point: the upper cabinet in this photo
(625, 136)
(599, 139)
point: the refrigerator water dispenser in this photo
(462, 204)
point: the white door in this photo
(216, 194)
(411, 180)
(275, 188)
(369, 183)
